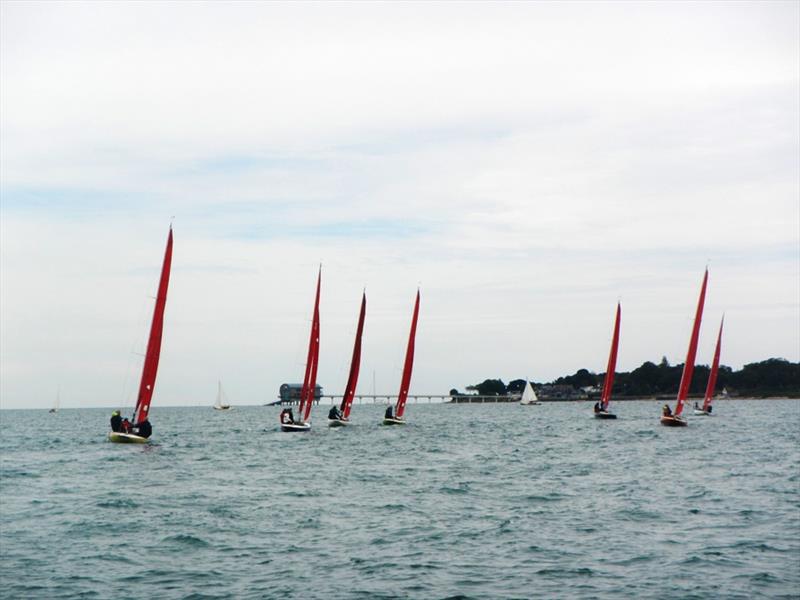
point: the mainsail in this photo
(688, 367)
(153, 353)
(409, 364)
(310, 379)
(355, 363)
(608, 383)
(712, 377)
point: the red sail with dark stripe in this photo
(355, 363)
(608, 384)
(409, 364)
(308, 390)
(688, 367)
(153, 352)
(712, 377)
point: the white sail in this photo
(221, 403)
(529, 396)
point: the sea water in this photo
(466, 501)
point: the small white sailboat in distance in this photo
(529, 396)
(222, 400)
(58, 398)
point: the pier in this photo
(412, 399)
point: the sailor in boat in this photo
(388, 413)
(697, 406)
(287, 417)
(334, 414)
(708, 410)
(126, 425)
(597, 408)
(116, 421)
(666, 411)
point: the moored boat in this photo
(601, 408)
(141, 428)
(341, 417)
(288, 424)
(668, 417)
(405, 382)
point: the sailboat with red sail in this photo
(674, 419)
(141, 429)
(303, 423)
(343, 418)
(601, 408)
(400, 407)
(712, 377)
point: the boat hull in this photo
(394, 421)
(126, 438)
(534, 403)
(673, 421)
(701, 413)
(222, 407)
(338, 422)
(604, 415)
(292, 427)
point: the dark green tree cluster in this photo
(771, 377)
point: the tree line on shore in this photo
(771, 377)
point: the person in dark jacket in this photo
(334, 414)
(388, 413)
(116, 421)
(666, 411)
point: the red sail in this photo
(355, 363)
(409, 364)
(153, 353)
(308, 390)
(608, 384)
(712, 377)
(688, 367)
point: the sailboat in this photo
(712, 377)
(58, 399)
(601, 408)
(310, 379)
(221, 403)
(352, 379)
(141, 425)
(405, 382)
(674, 419)
(528, 395)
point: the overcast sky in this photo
(527, 165)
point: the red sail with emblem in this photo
(608, 383)
(712, 377)
(308, 390)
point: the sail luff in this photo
(305, 395)
(409, 363)
(608, 384)
(150, 369)
(688, 367)
(712, 377)
(312, 382)
(355, 362)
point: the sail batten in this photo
(608, 383)
(712, 377)
(153, 353)
(688, 367)
(409, 364)
(355, 362)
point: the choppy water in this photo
(467, 501)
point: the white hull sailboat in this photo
(529, 396)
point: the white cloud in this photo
(526, 164)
